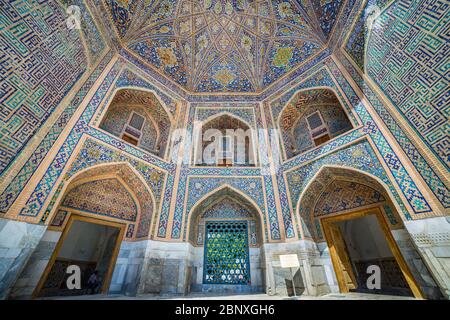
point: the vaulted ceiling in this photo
(223, 45)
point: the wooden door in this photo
(341, 260)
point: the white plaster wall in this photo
(85, 241)
(364, 238)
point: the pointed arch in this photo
(225, 113)
(130, 179)
(216, 195)
(158, 122)
(147, 90)
(251, 155)
(287, 133)
(315, 188)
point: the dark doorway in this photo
(91, 245)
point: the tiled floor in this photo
(260, 296)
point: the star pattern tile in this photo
(223, 45)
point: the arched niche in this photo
(224, 140)
(338, 190)
(353, 216)
(112, 192)
(310, 119)
(225, 204)
(138, 117)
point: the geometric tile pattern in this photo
(411, 68)
(429, 175)
(293, 125)
(326, 13)
(244, 177)
(95, 43)
(220, 45)
(226, 208)
(344, 195)
(195, 182)
(336, 189)
(355, 45)
(40, 61)
(223, 205)
(46, 184)
(242, 112)
(105, 197)
(407, 185)
(117, 117)
(130, 79)
(17, 184)
(227, 259)
(88, 200)
(200, 186)
(359, 156)
(147, 105)
(94, 153)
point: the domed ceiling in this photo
(223, 45)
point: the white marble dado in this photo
(415, 264)
(256, 271)
(158, 267)
(172, 267)
(313, 277)
(35, 267)
(18, 241)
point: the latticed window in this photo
(133, 129)
(317, 127)
(226, 253)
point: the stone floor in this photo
(259, 296)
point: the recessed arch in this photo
(225, 113)
(238, 133)
(353, 213)
(232, 190)
(154, 92)
(131, 180)
(226, 229)
(318, 115)
(330, 173)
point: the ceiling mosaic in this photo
(224, 45)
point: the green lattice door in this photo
(226, 253)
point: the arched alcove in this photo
(311, 118)
(354, 215)
(138, 117)
(225, 140)
(100, 206)
(226, 229)
(114, 191)
(225, 204)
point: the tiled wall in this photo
(41, 60)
